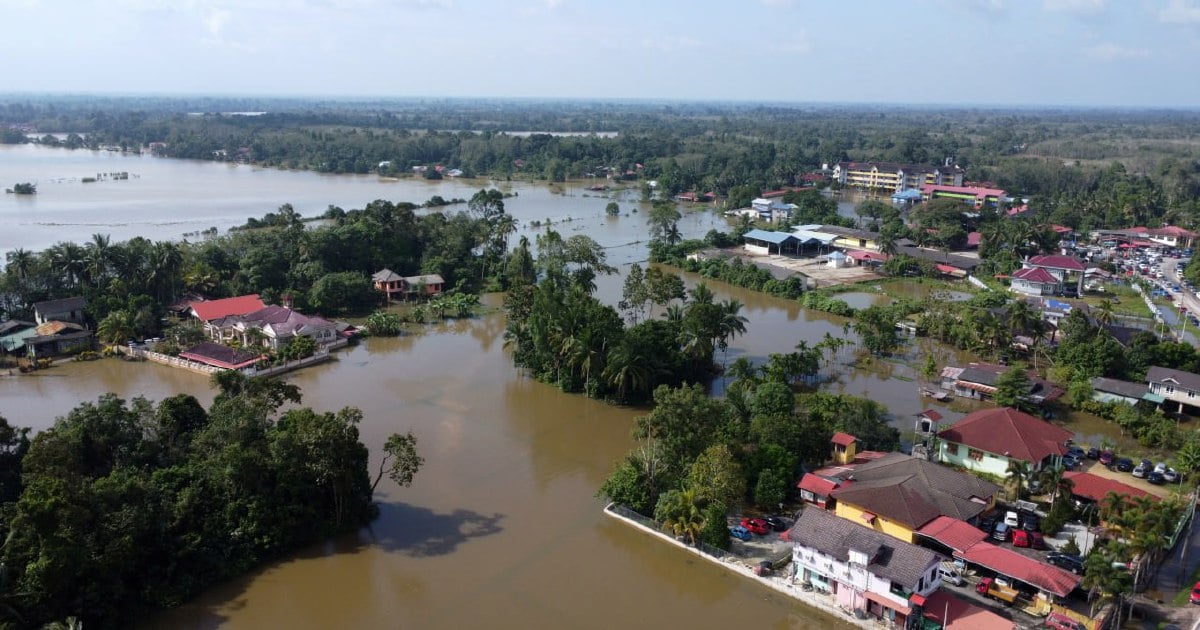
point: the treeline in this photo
(698, 458)
(1084, 168)
(325, 268)
(124, 508)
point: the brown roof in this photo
(1158, 374)
(1008, 432)
(913, 492)
(892, 559)
(55, 328)
(219, 355)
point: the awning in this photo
(986, 389)
(916, 600)
(887, 603)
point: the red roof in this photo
(1172, 230)
(1009, 432)
(1061, 229)
(1095, 487)
(843, 439)
(1008, 562)
(1022, 209)
(953, 533)
(956, 614)
(1057, 262)
(774, 193)
(950, 269)
(861, 255)
(928, 189)
(931, 414)
(216, 309)
(817, 485)
(1035, 274)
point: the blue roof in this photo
(775, 238)
(906, 195)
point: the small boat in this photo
(935, 394)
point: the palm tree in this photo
(680, 514)
(887, 244)
(1020, 472)
(627, 373)
(732, 324)
(1104, 314)
(116, 328)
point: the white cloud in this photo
(1180, 12)
(1109, 52)
(1075, 6)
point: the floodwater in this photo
(502, 527)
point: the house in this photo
(1172, 236)
(1111, 390)
(979, 380)
(772, 209)
(13, 334)
(388, 281)
(862, 569)
(1049, 275)
(952, 613)
(423, 286)
(58, 338)
(844, 448)
(907, 197)
(64, 310)
(851, 238)
(1176, 386)
(988, 439)
(1093, 488)
(898, 494)
(276, 327)
(222, 356)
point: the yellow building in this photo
(897, 495)
(895, 177)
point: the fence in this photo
(166, 359)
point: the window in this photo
(1170, 389)
(975, 454)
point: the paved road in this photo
(1186, 299)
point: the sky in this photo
(1096, 53)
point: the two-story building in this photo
(1177, 386)
(278, 326)
(69, 310)
(393, 284)
(988, 439)
(1049, 275)
(863, 569)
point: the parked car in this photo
(1031, 522)
(1143, 469)
(1012, 519)
(777, 523)
(1156, 478)
(1093, 453)
(1075, 452)
(1059, 621)
(1033, 540)
(987, 523)
(1195, 596)
(1071, 463)
(1002, 532)
(1124, 464)
(1171, 475)
(1107, 457)
(741, 533)
(1072, 563)
(756, 525)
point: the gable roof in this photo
(843, 439)
(956, 614)
(913, 491)
(1057, 262)
(1158, 374)
(1008, 562)
(775, 238)
(14, 325)
(1009, 432)
(216, 309)
(386, 275)
(1119, 387)
(429, 278)
(817, 485)
(56, 327)
(891, 558)
(1095, 487)
(952, 532)
(1034, 274)
(60, 306)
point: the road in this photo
(1185, 299)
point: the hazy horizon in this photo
(1095, 54)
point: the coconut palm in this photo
(117, 327)
(679, 514)
(1019, 472)
(1104, 314)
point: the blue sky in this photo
(1141, 53)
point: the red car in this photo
(1195, 596)
(1022, 538)
(756, 525)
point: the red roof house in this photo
(221, 356)
(1046, 577)
(988, 439)
(843, 439)
(955, 614)
(216, 309)
(1057, 262)
(952, 532)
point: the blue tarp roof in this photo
(775, 238)
(911, 193)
